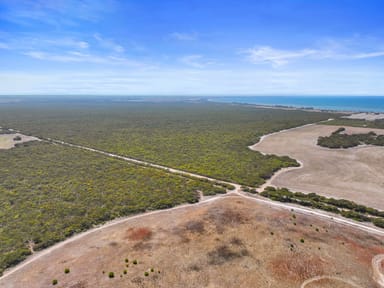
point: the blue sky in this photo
(196, 47)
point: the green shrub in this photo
(66, 270)
(111, 275)
(337, 140)
(54, 282)
(378, 222)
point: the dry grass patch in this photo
(242, 254)
(139, 234)
(222, 218)
(297, 266)
(80, 284)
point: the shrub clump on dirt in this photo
(223, 254)
(195, 226)
(339, 140)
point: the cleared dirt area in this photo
(356, 173)
(229, 242)
(366, 116)
(378, 270)
(8, 141)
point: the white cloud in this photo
(266, 54)
(369, 55)
(63, 42)
(196, 82)
(109, 44)
(57, 13)
(195, 61)
(277, 57)
(184, 36)
(75, 56)
(35, 42)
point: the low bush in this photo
(345, 208)
(338, 140)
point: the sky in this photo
(192, 47)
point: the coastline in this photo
(301, 107)
(283, 107)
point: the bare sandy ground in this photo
(230, 242)
(366, 116)
(356, 173)
(378, 270)
(7, 142)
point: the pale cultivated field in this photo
(356, 173)
(7, 142)
(366, 116)
(230, 242)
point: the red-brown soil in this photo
(230, 242)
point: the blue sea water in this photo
(338, 103)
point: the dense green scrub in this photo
(339, 140)
(205, 138)
(49, 192)
(345, 208)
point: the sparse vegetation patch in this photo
(345, 208)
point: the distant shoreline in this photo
(340, 105)
(346, 105)
(283, 107)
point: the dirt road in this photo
(378, 270)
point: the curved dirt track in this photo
(333, 278)
(355, 174)
(378, 270)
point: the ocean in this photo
(338, 103)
